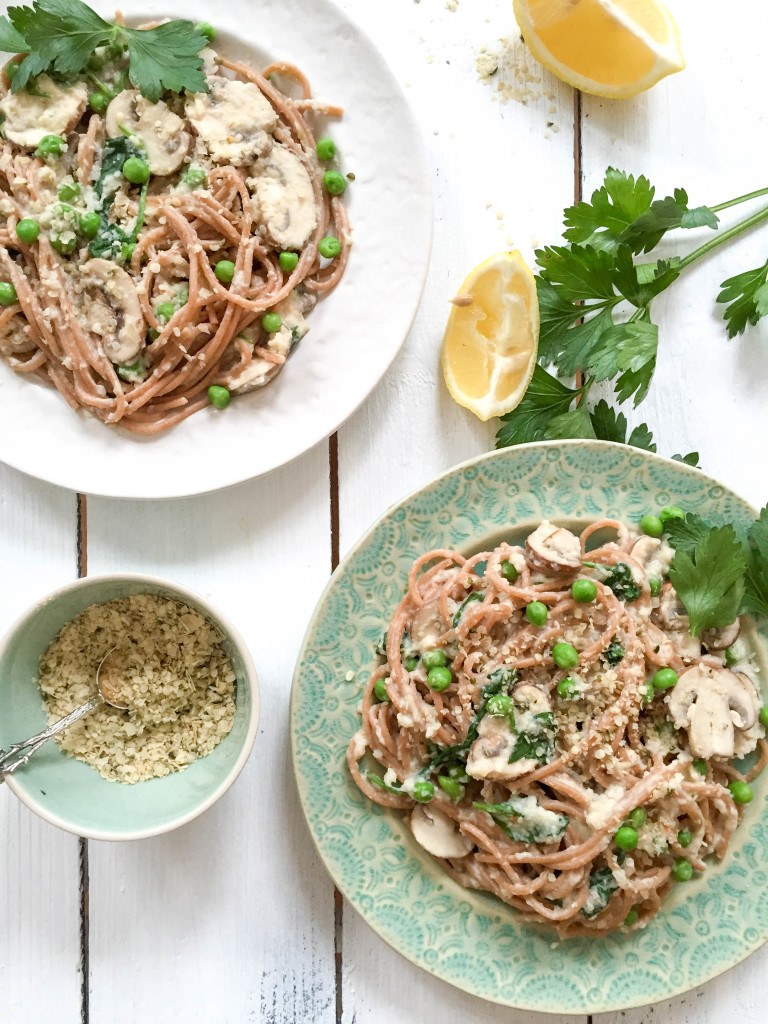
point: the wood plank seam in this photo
(82, 570)
(338, 900)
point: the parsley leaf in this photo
(612, 426)
(60, 36)
(685, 534)
(756, 578)
(614, 652)
(691, 459)
(664, 215)
(708, 577)
(613, 207)
(578, 271)
(747, 294)
(622, 582)
(545, 399)
(539, 743)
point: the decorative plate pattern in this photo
(470, 939)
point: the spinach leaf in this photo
(457, 752)
(111, 238)
(522, 819)
(614, 652)
(476, 595)
(622, 583)
(601, 885)
(538, 743)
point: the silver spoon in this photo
(107, 680)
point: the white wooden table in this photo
(232, 919)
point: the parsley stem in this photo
(725, 236)
(741, 199)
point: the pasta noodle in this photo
(514, 721)
(62, 323)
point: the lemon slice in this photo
(491, 338)
(614, 48)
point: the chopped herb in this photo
(476, 595)
(456, 754)
(601, 885)
(538, 743)
(614, 652)
(622, 583)
(525, 821)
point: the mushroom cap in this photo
(427, 626)
(671, 613)
(121, 302)
(553, 549)
(710, 703)
(531, 698)
(438, 833)
(722, 637)
(161, 131)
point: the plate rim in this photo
(338, 880)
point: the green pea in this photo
(288, 261)
(410, 664)
(153, 334)
(50, 145)
(682, 870)
(225, 271)
(700, 765)
(731, 657)
(499, 705)
(63, 246)
(565, 655)
(89, 224)
(741, 792)
(626, 838)
(434, 659)
(453, 788)
(28, 229)
(69, 190)
(98, 101)
(568, 689)
(456, 771)
(671, 512)
(165, 311)
(665, 679)
(271, 322)
(439, 678)
(195, 176)
(219, 396)
(11, 70)
(326, 150)
(329, 247)
(206, 29)
(650, 693)
(631, 917)
(652, 526)
(136, 170)
(685, 837)
(584, 591)
(637, 818)
(114, 49)
(7, 294)
(764, 717)
(334, 182)
(655, 583)
(132, 372)
(380, 690)
(508, 571)
(96, 61)
(423, 791)
(536, 612)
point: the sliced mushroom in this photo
(654, 555)
(711, 703)
(427, 626)
(673, 619)
(489, 754)
(285, 202)
(161, 131)
(111, 310)
(233, 120)
(531, 698)
(553, 549)
(261, 371)
(438, 833)
(724, 636)
(55, 111)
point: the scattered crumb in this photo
(435, 131)
(499, 215)
(430, 58)
(488, 204)
(351, 675)
(451, 5)
(511, 69)
(510, 242)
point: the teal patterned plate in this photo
(466, 938)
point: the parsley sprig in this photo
(60, 36)
(596, 296)
(717, 573)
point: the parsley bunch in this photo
(595, 300)
(717, 573)
(60, 36)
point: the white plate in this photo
(354, 334)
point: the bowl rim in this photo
(227, 628)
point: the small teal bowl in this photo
(73, 795)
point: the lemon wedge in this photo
(615, 48)
(492, 335)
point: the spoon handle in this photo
(19, 753)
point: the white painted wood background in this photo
(232, 919)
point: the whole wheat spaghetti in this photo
(144, 300)
(515, 720)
